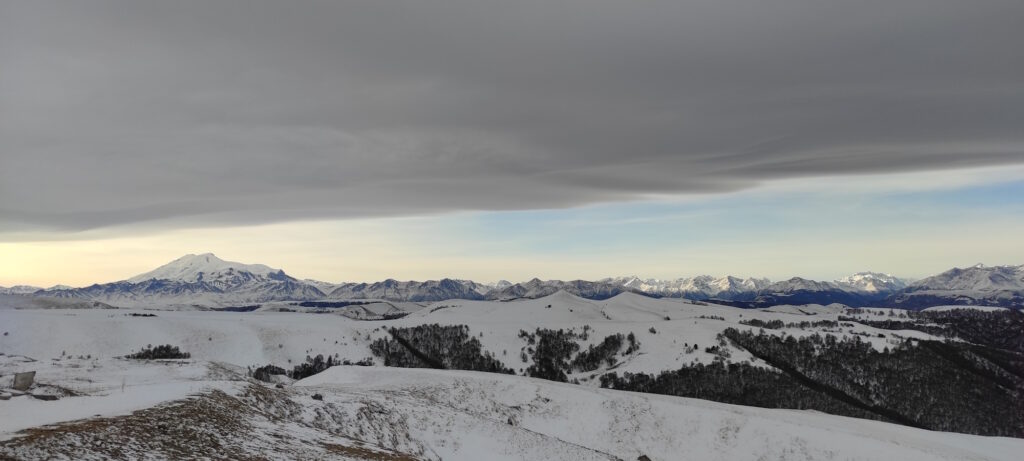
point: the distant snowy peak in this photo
(975, 278)
(537, 288)
(800, 284)
(206, 267)
(499, 285)
(19, 290)
(203, 280)
(325, 287)
(394, 290)
(701, 286)
(873, 282)
(976, 285)
(207, 280)
(730, 283)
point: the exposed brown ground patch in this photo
(213, 425)
(360, 452)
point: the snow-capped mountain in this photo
(857, 290)
(872, 282)
(444, 289)
(860, 289)
(201, 279)
(798, 284)
(499, 285)
(325, 287)
(977, 285)
(19, 290)
(61, 287)
(537, 288)
(799, 290)
(700, 287)
(394, 290)
(979, 278)
(207, 267)
(206, 280)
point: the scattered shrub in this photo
(159, 352)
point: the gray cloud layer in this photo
(246, 111)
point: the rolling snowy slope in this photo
(429, 414)
(283, 338)
(432, 414)
(468, 415)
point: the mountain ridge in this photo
(206, 280)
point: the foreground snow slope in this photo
(403, 414)
(103, 387)
(469, 415)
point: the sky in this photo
(362, 140)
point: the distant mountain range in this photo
(206, 280)
(978, 285)
(28, 289)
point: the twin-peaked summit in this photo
(207, 267)
(200, 280)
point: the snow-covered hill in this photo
(523, 418)
(266, 337)
(404, 414)
(425, 414)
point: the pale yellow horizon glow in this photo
(366, 251)
(453, 245)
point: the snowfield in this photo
(434, 414)
(284, 338)
(470, 415)
(388, 413)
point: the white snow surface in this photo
(974, 279)
(107, 387)
(202, 267)
(453, 414)
(872, 282)
(472, 416)
(270, 337)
